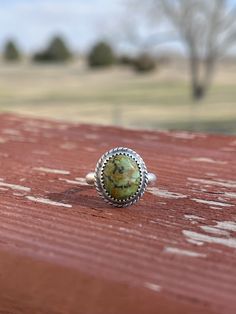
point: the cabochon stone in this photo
(121, 177)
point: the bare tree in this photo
(207, 28)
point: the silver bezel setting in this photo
(99, 182)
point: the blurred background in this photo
(156, 64)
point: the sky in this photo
(82, 22)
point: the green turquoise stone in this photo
(121, 177)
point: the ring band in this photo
(120, 177)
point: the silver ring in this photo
(120, 177)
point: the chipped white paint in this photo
(165, 193)
(50, 170)
(79, 181)
(193, 217)
(136, 232)
(209, 160)
(211, 174)
(229, 242)
(227, 225)
(40, 152)
(152, 286)
(224, 183)
(183, 135)
(15, 187)
(90, 149)
(222, 199)
(177, 251)
(194, 242)
(11, 131)
(214, 207)
(47, 201)
(230, 194)
(3, 189)
(18, 194)
(129, 230)
(215, 230)
(211, 202)
(68, 146)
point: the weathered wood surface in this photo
(63, 250)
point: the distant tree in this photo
(126, 60)
(42, 56)
(144, 63)
(101, 55)
(57, 51)
(206, 28)
(11, 52)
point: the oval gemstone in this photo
(121, 177)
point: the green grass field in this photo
(119, 97)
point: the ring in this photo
(120, 177)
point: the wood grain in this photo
(63, 250)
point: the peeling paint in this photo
(90, 149)
(68, 146)
(3, 189)
(40, 152)
(211, 174)
(195, 242)
(47, 201)
(215, 230)
(219, 182)
(79, 181)
(152, 286)
(49, 170)
(193, 217)
(230, 195)
(229, 242)
(214, 207)
(227, 225)
(11, 132)
(211, 202)
(209, 160)
(178, 251)
(15, 187)
(18, 194)
(183, 135)
(165, 193)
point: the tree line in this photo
(206, 29)
(101, 55)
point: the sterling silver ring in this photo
(120, 177)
